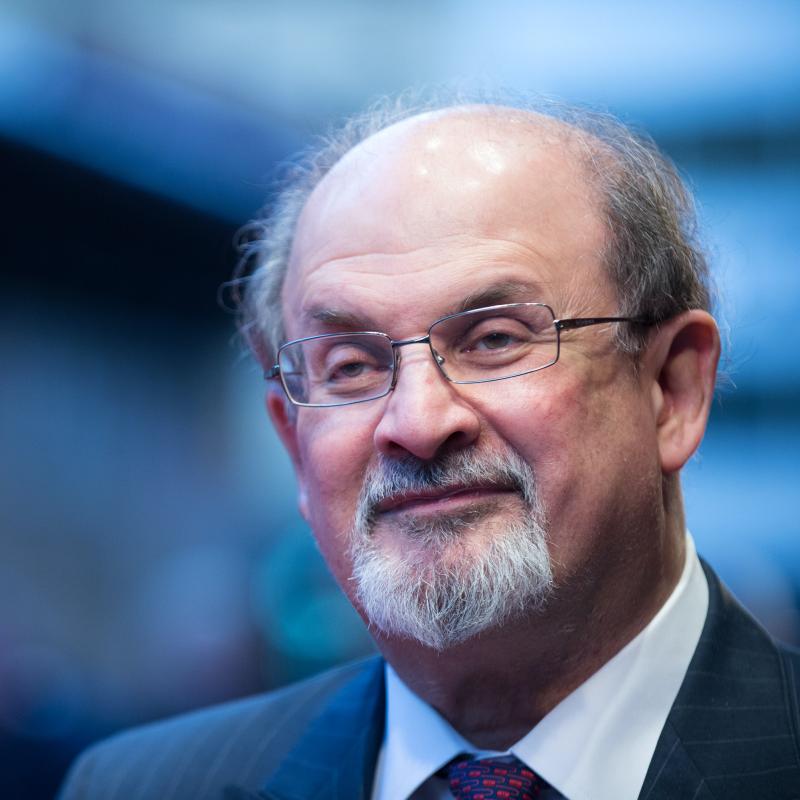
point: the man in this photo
(487, 336)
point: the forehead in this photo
(446, 203)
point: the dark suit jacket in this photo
(733, 732)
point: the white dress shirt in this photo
(596, 744)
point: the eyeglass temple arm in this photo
(585, 322)
(276, 372)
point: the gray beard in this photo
(448, 588)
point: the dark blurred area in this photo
(132, 583)
(151, 557)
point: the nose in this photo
(425, 415)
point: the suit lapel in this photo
(727, 730)
(672, 772)
(335, 758)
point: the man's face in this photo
(405, 229)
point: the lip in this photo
(439, 499)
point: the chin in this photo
(442, 580)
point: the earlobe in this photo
(686, 352)
(284, 418)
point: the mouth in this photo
(441, 500)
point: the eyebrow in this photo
(341, 319)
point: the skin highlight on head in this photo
(398, 232)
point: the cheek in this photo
(585, 446)
(335, 452)
(543, 423)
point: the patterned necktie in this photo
(505, 778)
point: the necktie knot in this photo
(505, 778)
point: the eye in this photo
(496, 340)
(351, 370)
(496, 334)
(351, 367)
(347, 363)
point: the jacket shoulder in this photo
(194, 754)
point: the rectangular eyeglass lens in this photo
(342, 368)
(498, 342)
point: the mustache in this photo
(388, 478)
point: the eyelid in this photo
(351, 353)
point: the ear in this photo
(682, 366)
(284, 417)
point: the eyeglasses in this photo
(477, 346)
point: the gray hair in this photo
(447, 591)
(653, 257)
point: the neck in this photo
(496, 687)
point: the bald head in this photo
(467, 175)
(466, 155)
(463, 146)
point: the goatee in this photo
(452, 582)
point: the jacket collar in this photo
(336, 755)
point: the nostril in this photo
(458, 440)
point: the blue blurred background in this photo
(151, 557)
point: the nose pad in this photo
(397, 355)
(438, 356)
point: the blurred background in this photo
(151, 557)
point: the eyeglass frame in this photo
(569, 323)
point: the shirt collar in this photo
(598, 742)
(418, 742)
